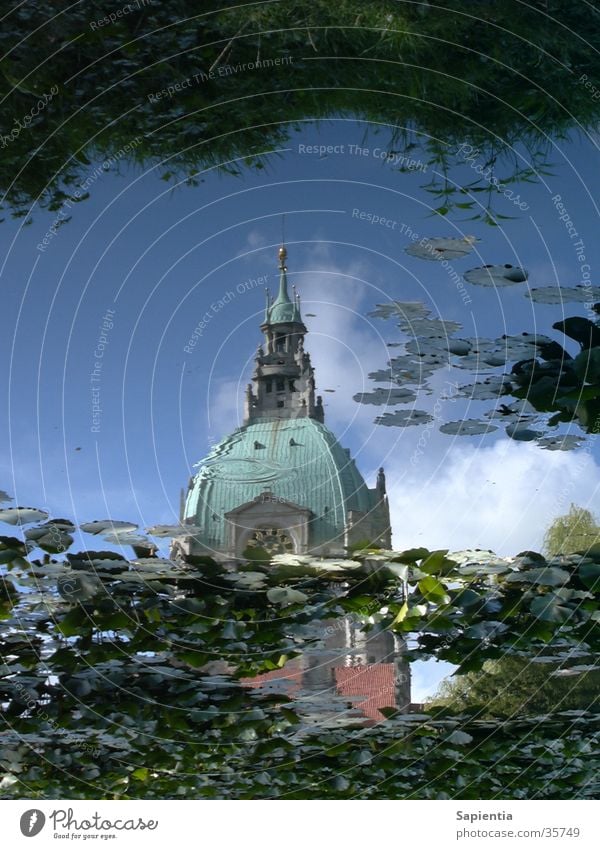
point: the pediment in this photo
(269, 504)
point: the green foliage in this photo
(382, 62)
(575, 531)
(126, 683)
(514, 686)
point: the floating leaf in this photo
(468, 427)
(590, 575)
(284, 596)
(486, 390)
(564, 294)
(522, 434)
(459, 738)
(403, 309)
(173, 530)
(439, 249)
(550, 576)
(155, 562)
(496, 275)
(549, 609)
(429, 327)
(432, 589)
(99, 526)
(580, 669)
(564, 442)
(386, 396)
(404, 418)
(78, 587)
(22, 515)
(127, 538)
(248, 580)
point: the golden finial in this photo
(282, 256)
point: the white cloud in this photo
(256, 239)
(500, 497)
(226, 408)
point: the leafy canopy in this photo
(498, 76)
(123, 679)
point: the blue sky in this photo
(161, 258)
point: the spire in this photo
(283, 309)
(283, 384)
(381, 482)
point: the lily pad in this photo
(173, 530)
(385, 396)
(550, 576)
(293, 559)
(51, 538)
(429, 327)
(564, 442)
(522, 434)
(575, 670)
(495, 568)
(155, 562)
(247, 580)
(496, 275)
(468, 427)
(485, 390)
(433, 344)
(521, 346)
(459, 738)
(126, 538)
(403, 309)
(22, 515)
(78, 587)
(285, 595)
(438, 249)
(99, 526)
(563, 294)
(412, 368)
(548, 609)
(404, 418)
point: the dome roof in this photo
(296, 460)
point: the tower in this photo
(282, 482)
(283, 384)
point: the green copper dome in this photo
(298, 461)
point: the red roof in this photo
(291, 674)
(369, 687)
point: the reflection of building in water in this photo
(282, 482)
(353, 675)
